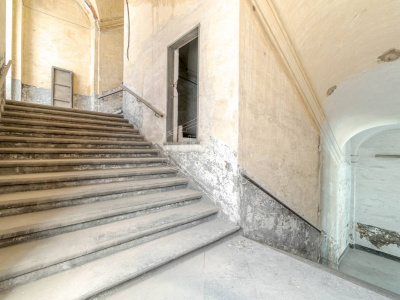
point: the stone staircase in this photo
(87, 204)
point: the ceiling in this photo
(339, 44)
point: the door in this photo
(62, 87)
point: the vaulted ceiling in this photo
(346, 49)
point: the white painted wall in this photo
(377, 188)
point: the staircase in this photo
(86, 204)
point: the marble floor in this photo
(242, 269)
(372, 268)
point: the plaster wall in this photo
(377, 193)
(2, 44)
(337, 222)
(111, 58)
(155, 25)
(278, 145)
(55, 33)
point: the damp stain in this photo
(331, 90)
(378, 236)
(390, 55)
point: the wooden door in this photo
(62, 87)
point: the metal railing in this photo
(139, 98)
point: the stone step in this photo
(57, 108)
(16, 108)
(31, 142)
(24, 227)
(32, 153)
(52, 180)
(55, 125)
(40, 132)
(16, 116)
(102, 274)
(22, 202)
(27, 166)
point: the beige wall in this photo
(2, 27)
(111, 62)
(55, 33)
(157, 24)
(278, 145)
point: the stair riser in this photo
(66, 155)
(16, 109)
(10, 211)
(73, 121)
(70, 127)
(55, 185)
(155, 233)
(23, 237)
(63, 145)
(128, 138)
(30, 170)
(54, 108)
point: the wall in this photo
(337, 220)
(154, 26)
(2, 44)
(278, 145)
(377, 192)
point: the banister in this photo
(139, 98)
(157, 112)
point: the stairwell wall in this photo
(155, 25)
(2, 45)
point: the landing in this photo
(242, 269)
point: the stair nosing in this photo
(53, 177)
(32, 198)
(8, 107)
(133, 262)
(117, 207)
(76, 150)
(74, 162)
(65, 125)
(29, 104)
(33, 116)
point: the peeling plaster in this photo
(378, 236)
(389, 56)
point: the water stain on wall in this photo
(390, 55)
(331, 90)
(378, 236)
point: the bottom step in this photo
(102, 274)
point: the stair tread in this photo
(116, 118)
(78, 161)
(64, 125)
(75, 150)
(8, 180)
(63, 132)
(27, 257)
(70, 193)
(28, 104)
(54, 218)
(99, 275)
(19, 139)
(36, 116)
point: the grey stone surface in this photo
(84, 102)
(109, 104)
(372, 268)
(265, 220)
(241, 269)
(97, 276)
(133, 110)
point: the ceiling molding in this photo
(273, 26)
(109, 24)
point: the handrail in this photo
(157, 112)
(260, 186)
(124, 88)
(3, 76)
